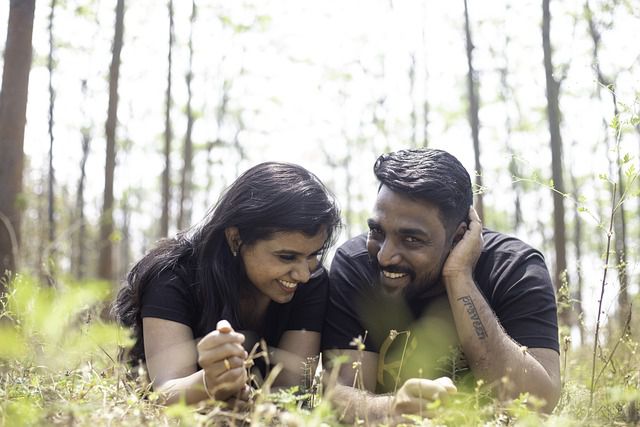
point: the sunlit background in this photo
(331, 85)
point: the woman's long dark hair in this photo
(267, 198)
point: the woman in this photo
(253, 265)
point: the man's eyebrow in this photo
(414, 232)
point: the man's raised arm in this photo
(491, 352)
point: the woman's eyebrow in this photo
(297, 253)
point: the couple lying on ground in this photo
(437, 301)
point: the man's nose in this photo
(388, 254)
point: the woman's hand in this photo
(222, 357)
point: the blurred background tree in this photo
(193, 93)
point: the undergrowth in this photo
(58, 366)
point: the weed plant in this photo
(58, 366)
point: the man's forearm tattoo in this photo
(481, 333)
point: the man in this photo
(430, 294)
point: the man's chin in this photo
(393, 291)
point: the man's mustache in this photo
(393, 268)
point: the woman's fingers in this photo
(224, 327)
(234, 354)
(228, 384)
(222, 357)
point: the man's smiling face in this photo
(409, 242)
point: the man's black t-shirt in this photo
(417, 337)
(174, 295)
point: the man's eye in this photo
(375, 231)
(287, 257)
(411, 239)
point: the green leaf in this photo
(13, 345)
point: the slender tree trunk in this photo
(553, 114)
(13, 108)
(506, 96)
(125, 243)
(79, 258)
(186, 184)
(50, 270)
(620, 225)
(414, 115)
(425, 104)
(577, 243)
(218, 142)
(168, 136)
(105, 265)
(474, 105)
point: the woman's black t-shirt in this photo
(176, 297)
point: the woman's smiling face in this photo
(278, 265)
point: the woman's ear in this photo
(232, 234)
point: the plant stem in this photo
(604, 282)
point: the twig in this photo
(615, 347)
(604, 282)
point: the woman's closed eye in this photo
(287, 257)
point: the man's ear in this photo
(459, 233)
(232, 234)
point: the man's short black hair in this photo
(430, 175)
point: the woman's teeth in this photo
(288, 285)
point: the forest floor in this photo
(58, 366)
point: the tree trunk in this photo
(414, 115)
(507, 95)
(620, 225)
(553, 114)
(125, 244)
(78, 258)
(576, 295)
(474, 105)
(50, 270)
(168, 135)
(425, 104)
(13, 108)
(105, 266)
(218, 142)
(186, 203)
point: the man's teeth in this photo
(390, 275)
(289, 285)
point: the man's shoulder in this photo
(495, 241)
(350, 265)
(355, 247)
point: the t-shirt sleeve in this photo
(348, 281)
(168, 297)
(524, 301)
(309, 305)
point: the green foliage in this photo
(58, 366)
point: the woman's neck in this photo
(253, 309)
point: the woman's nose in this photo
(301, 272)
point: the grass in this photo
(58, 367)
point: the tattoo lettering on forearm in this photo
(481, 333)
